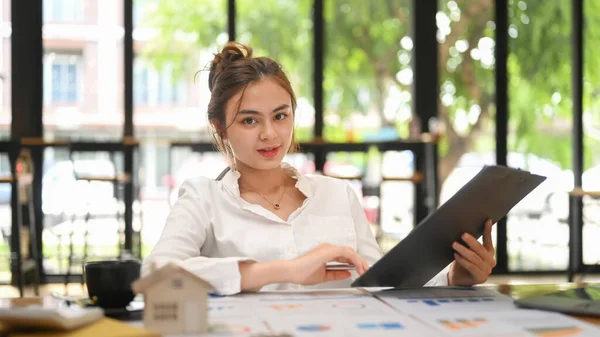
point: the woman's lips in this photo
(269, 153)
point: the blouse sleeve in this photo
(182, 239)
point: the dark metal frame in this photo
(27, 69)
(501, 78)
(425, 102)
(318, 75)
(128, 123)
(576, 203)
(27, 97)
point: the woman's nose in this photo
(267, 131)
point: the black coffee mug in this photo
(109, 282)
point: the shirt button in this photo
(293, 250)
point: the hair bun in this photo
(232, 52)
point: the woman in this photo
(265, 225)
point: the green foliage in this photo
(364, 55)
(362, 47)
(182, 28)
(282, 30)
(540, 71)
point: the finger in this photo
(365, 265)
(468, 253)
(336, 275)
(487, 236)
(352, 255)
(478, 248)
(478, 275)
(359, 268)
(476, 260)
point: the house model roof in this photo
(168, 270)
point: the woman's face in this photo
(261, 132)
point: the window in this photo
(367, 97)
(83, 72)
(5, 73)
(270, 36)
(591, 127)
(138, 10)
(63, 10)
(140, 84)
(173, 43)
(465, 33)
(540, 126)
(165, 311)
(157, 87)
(83, 96)
(177, 283)
(368, 73)
(62, 78)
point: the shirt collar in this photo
(230, 180)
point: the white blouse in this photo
(211, 229)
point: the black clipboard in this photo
(491, 194)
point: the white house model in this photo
(176, 300)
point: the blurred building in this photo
(83, 84)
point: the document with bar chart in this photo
(515, 322)
(384, 324)
(445, 299)
(424, 312)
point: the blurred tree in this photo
(365, 55)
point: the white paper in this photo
(273, 306)
(518, 322)
(426, 300)
(419, 312)
(390, 324)
(234, 316)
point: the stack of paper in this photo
(354, 312)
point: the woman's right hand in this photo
(309, 269)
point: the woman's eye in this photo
(248, 121)
(280, 116)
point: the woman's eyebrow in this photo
(281, 107)
(248, 112)
(254, 112)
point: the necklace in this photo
(275, 205)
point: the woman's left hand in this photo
(474, 263)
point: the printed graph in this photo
(462, 324)
(557, 332)
(313, 327)
(380, 326)
(436, 302)
(286, 307)
(219, 308)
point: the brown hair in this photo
(231, 71)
